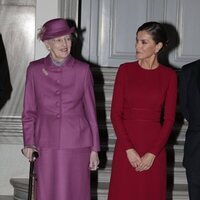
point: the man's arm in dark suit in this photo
(5, 84)
(184, 77)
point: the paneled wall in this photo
(19, 20)
(111, 25)
(17, 27)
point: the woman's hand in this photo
(28, 153)
(133, 157)
(94, 161)
(146, 163)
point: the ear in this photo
(159, 47)
(47, 45)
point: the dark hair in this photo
(156, 30)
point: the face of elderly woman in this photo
(145, 46)
(59, 47)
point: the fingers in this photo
(94, 161)
(93, 166)
(146, 163)
(135, 163)
(28, 153)
(143, 167)
(133, 157)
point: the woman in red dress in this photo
(143, 91)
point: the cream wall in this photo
(12, 162)
(45, 10)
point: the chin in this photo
(64, 56)
(138, 57)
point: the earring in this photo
(48, 48)
(156, 51)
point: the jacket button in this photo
(58, 92)
(57, 103)
(58, 116)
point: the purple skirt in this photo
(63, 174)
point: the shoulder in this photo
(81, 66)
(168, 74)
(191, 66)
(35, 64)
(168, 71)
(82, 69)
(127, 66)
(34, 67)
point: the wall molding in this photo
(183, 52)
(11, 130)
(68, 9)
(18, 2)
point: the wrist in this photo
(130, 150)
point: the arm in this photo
(183, 81)
(29, 111)
(117, 110)
(90, 110)
(169, 116)
(117, 119)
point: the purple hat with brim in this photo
(55, 28)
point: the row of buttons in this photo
(58, 92)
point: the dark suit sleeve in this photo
(5, 85)
(183, 83)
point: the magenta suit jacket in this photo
(59, 106)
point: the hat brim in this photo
(58, 34)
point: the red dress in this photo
(139, 98)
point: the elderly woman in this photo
(59, 118)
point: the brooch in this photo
(45, 72)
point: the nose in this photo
(64, 42)
(137, 45)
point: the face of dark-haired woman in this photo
(145, 46)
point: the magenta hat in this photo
(55, 28)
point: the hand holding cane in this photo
(35, 155)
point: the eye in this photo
(144, 42)
(68, 38)
(56, 40)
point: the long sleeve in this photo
(183, 94)
(90, 109)
(117, 110)
(169, 116)
(29, 110)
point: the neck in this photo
(58, 62)
(150, 63)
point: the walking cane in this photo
(31, 174)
